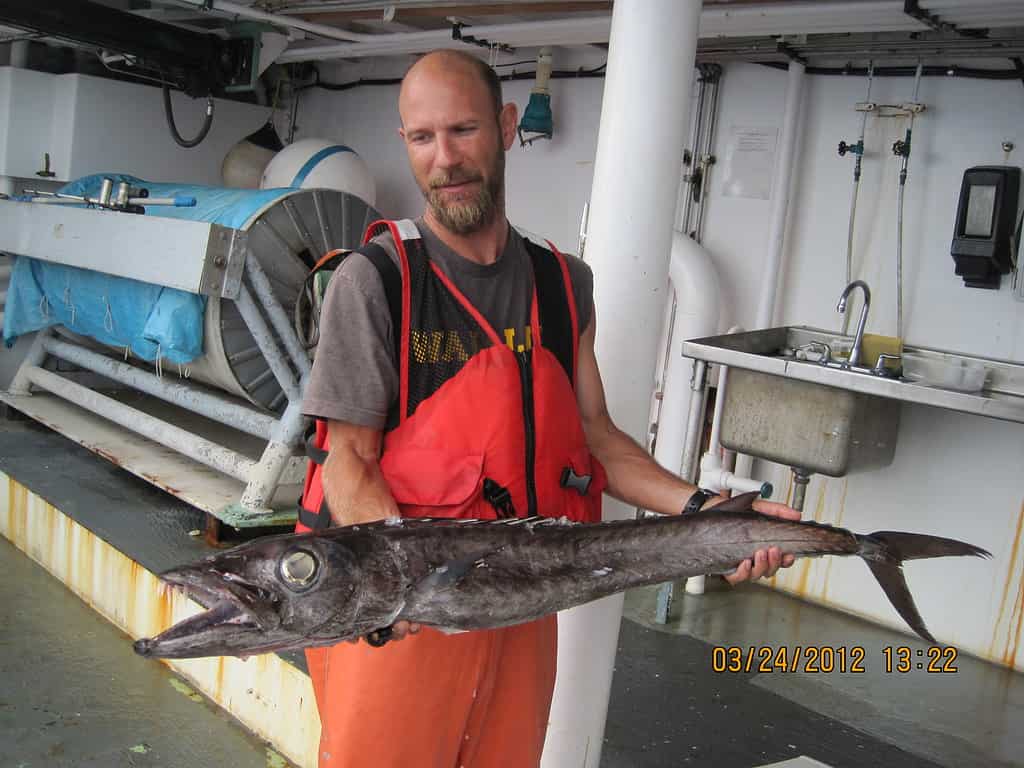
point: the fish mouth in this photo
(239, 618)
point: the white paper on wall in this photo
(749, 162)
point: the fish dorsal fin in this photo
(529, 522)
(741, 503)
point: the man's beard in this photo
(469, 216)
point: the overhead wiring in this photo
(932, 70)
(581, 72)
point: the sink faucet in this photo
(858, 339)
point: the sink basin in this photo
(807, 426)
(998, 385)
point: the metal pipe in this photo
(266, 475)
(565, 31)
(202, 450)
(294, 22)
(715, 445)
(206, 404)
(801, 478)
(706, 146)
(265, 340)
(899, 207)
(857, 162)
(278, 318)
(691, 445)
(651, 53)
(780, 196)
(695, 136)
(20, 384)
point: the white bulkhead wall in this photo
(953, 475)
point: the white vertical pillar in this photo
(644, 121)
(781, 188)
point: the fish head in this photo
(270, 594)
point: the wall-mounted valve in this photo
(901, 147)
(855, 149)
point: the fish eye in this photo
(298, 568)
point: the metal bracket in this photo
(224, 263)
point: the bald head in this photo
(448, 65)
(456, 132)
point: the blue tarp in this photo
(152, 320)
(227, 207)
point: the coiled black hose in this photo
(169, 114)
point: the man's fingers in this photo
(742, 573)
(775, 509)
(760, 564)
(774, 560)
(764, 563)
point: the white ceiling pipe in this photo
(292, 22)
(781, 185)
(761, 19)
(629, 239)
(521, 34)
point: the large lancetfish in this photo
(302, 590)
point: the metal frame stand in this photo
(289, 362)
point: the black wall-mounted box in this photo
(986, 216)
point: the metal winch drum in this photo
(286, 237)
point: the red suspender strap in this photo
(480, 320)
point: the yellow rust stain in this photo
(838, 523)
(819, 508)
(805, 565)
(17, 512)
(804, 572)
(1009, 656)
(219, 685)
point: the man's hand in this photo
(765, 562)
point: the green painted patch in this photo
(274, 760)
(139, 749)
(182, 688)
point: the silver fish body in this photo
(304, 590)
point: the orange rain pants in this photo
(471, 700)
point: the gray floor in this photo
(669, 707)
(72, 693)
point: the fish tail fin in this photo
(885, 551)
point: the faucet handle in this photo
(880, 366)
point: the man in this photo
(456, 377)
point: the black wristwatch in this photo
(698, 500)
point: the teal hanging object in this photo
(537, 122)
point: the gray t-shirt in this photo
(355, 372)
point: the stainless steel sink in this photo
(1001, 395)
(807, 426)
